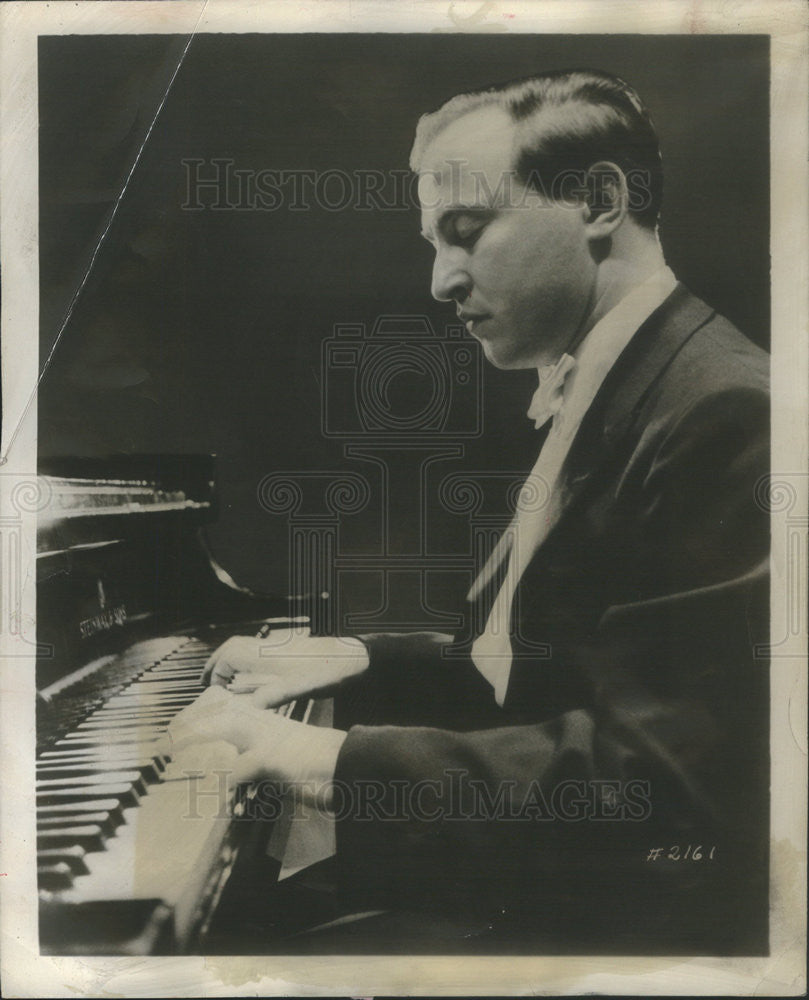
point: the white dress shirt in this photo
(540, 500)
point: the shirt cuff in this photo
(501, 683)
(494, 664)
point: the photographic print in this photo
(404, 499)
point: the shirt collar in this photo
(602, 345)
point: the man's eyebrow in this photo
(460, 207)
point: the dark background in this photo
(202, 331)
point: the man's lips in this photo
(471, 319)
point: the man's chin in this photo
(504, 359)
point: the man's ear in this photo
(606, 199)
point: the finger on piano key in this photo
(244, 683)
(200, 759)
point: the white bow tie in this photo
(547, 400)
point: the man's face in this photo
(517, 266)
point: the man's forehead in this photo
(477, 145)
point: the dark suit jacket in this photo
(636, 715)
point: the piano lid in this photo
(87, 497)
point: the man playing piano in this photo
(591, 772)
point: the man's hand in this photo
(301, 759)
(284, 665)
(215, 716)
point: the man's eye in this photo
(467, 228)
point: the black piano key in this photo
(92, 741)
(191, 669)
(155, 683)
(141, 703)
(152, 705)
(147, 711)
(106, 927)
(117, 759)
(126, 794)
(54, 877)
(67, 754)
(101, 724)
(112, 777)
(147, 769)
(112, 737)
(159, 684)
(121, 729)
(145, 703)
(138, 706)
(90, 837)
(69, 751)
(125, 698)
(127, 719)
(106, 820)
(71, 855)
(89, 805)
(167, 673)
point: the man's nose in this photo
(451, 278)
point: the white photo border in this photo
(26, 973)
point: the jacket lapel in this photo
(626, 388)
(623, 392)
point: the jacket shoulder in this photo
(714, 360)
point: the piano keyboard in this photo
(111, 828)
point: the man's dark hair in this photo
(566, 121)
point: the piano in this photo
(130, 604)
